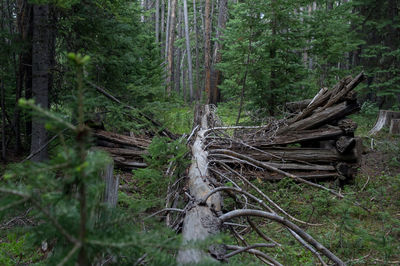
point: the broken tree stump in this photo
(384, 119)
(111, 185)
(395, 127)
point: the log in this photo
(285, 154)
(348, 126)
(122, 139)
(300, 136)
(395, 127)
(321, 99)
(124, 152)
(200, 222)
(344, 144)
(384, 119)
(298, 106)
(323, 117)
(346, 170)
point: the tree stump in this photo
(395, 127)
(111, 185)
(384, 119)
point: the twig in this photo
(70, 254)
(256, 252)
(43, 146)
(258, 245)
(164, 210)
(266, 197)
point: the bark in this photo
(198, 87)
(207, 49)
(40, 76)
(216, 74)
(188, 50)
(163, 48)
(395, 127)
(157, 21)
(111, 185)
(3, 121)
(344, 144)
(322, 117)
(298, 106)
(171, 41)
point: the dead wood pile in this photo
(126, 151)
(316, 142)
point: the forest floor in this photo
(362, 229)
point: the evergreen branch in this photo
(46, 113)
(43, 210)
(110, 244)
(15, 203)
(43, 146)
(70, 254)
(34, 171)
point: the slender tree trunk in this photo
(188, 52)
(40, 76)
(244, 80)
(215, 74)
(167, 33)
(162, 28)
(207, 49)
(3, 120)
(177, 72)
(2, 92)
(198, 88)
(157, 21)
(171, 41)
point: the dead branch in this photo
(318, 246)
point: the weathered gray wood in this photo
(311, 155)
(347, 170)
(200, 222)
(395, 127)
(384, 119)
(298, 106)
(348, 126)
(344, 144)
(111, 185)
(322, 117)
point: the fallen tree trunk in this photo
(322, 117)
(200, 222)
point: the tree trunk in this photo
(200, 222)
(171, 41)
(40, 76)
(177, 59)
(216, 74)
(198, 87)
(188, 52)
(157, 21)
(162, 29)
(207, 49)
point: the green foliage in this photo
(66, 196)
(151, 181)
